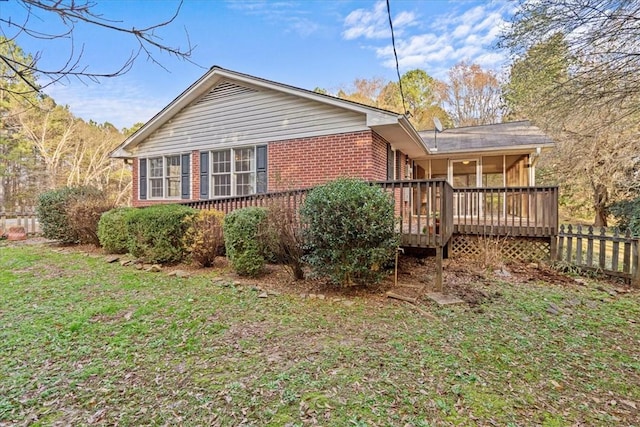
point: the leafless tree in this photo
(473, 95)
(69, 14)
(603, 40)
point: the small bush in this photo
(244, 248)
(83, 216)
(155, 233)
(282, 237)
(350, 231)
(52, 211)
(112, 230)
(204, 239)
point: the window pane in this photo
(245, 184)
(244, 160)
(173, 187)
(221, 161)
(156, 187)
(173, 166)
(222, 185)
(155, 167)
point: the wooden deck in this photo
(431, 211)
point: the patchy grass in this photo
(86, 342)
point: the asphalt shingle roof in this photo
(487, 137)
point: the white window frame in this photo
(164, 177)
(233, 172)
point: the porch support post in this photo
(439, 286)
(553, 248)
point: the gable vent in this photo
(226, 90)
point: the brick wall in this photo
(305, 162)
(195, 175)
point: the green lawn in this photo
(86, 342)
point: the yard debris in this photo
(503, 273)
(125, 262)
(111, 259)
(155, 268)
(263, 295)
(553, 309)
(179, 273)
(400, 297)
(629, 403)
(423, 312)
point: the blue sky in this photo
(304, 43)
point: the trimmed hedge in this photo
(244, 248)
(53, 215)
(112, 230)
(155, 233)
(350, 231)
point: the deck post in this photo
(439, 286)
(553, 248)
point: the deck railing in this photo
(506, 211)
(423, 208)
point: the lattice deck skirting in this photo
(509, 248)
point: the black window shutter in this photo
(204, 175)
(261, 169)
(142, 177)
(185, 165)
(389, 163)
(398, 165)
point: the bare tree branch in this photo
(71, 13)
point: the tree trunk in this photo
(600, 200)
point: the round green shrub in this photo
(155, 234)
(244, 248)
(349, 231)
(112, 230)
(52, 210)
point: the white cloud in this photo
(367, 24)
(439, 42)
(374, 24)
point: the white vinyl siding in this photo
(233, 172)
(164, 177)
(231, 114)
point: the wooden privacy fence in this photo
(22, 217)
(608, 252)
